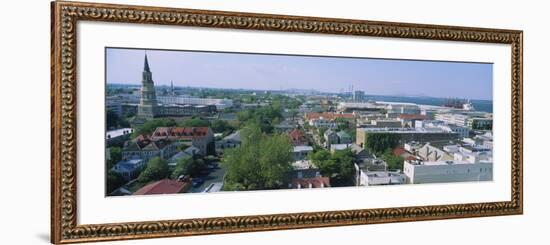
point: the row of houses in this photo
(164, 143)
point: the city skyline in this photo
(320, 73)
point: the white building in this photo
(418, 172)
(453, 118)
(374, 178)
(185, 100)
(464, 132)
(323, 123)
(339, 147)
(403, 108)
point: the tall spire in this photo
(146, 65)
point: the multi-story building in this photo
(200, 137)
(323, 123)
(384, 123)
(418, 172)
(453, 118)
(480, 123)
(331, 137)
(129, 168)
(421, 135)
(464, 132)
(402, 108)
(219, 104)
(145, 148)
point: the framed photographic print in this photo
(175, 122)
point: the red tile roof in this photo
(317, 182)
(297, 136)
(179, 133)
(398, 151)
(165, 186)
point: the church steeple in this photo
(146, 64)
(148, 100)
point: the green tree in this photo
(115, 154)
(114, 181)
(115, 121)
(264, 117)
(337, 166)
(194, 122)
(156, 169)
(261, 162)
(221, 126)
(380, 142)
(184, 166)
(393, 162)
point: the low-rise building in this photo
(300, 152)
(360, 153)
(309, 183)
(323, 123)
(344, 138)
(200, 137)
(375, 178)
(431, 153)
(129, 169)
(304, 169)
(144, 148)
(419, 172)
(331, 137)
(297, 137)
(231, 141)
(166, 186)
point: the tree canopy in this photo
(115, 121)
(114, 181)
(194, 122)
(156, 169)
(394, 162)
(261, 162)
(337, 166)
(264, 116)
(380, 142)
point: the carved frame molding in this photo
(65, 16)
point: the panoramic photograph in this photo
(202, 122)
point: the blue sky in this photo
(327, 74)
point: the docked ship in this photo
(459, 104)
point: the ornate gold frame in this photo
(65, 15)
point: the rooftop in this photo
(165, 186)
(317, 182)
(302, 164)
(118, 132)
(300, 148)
